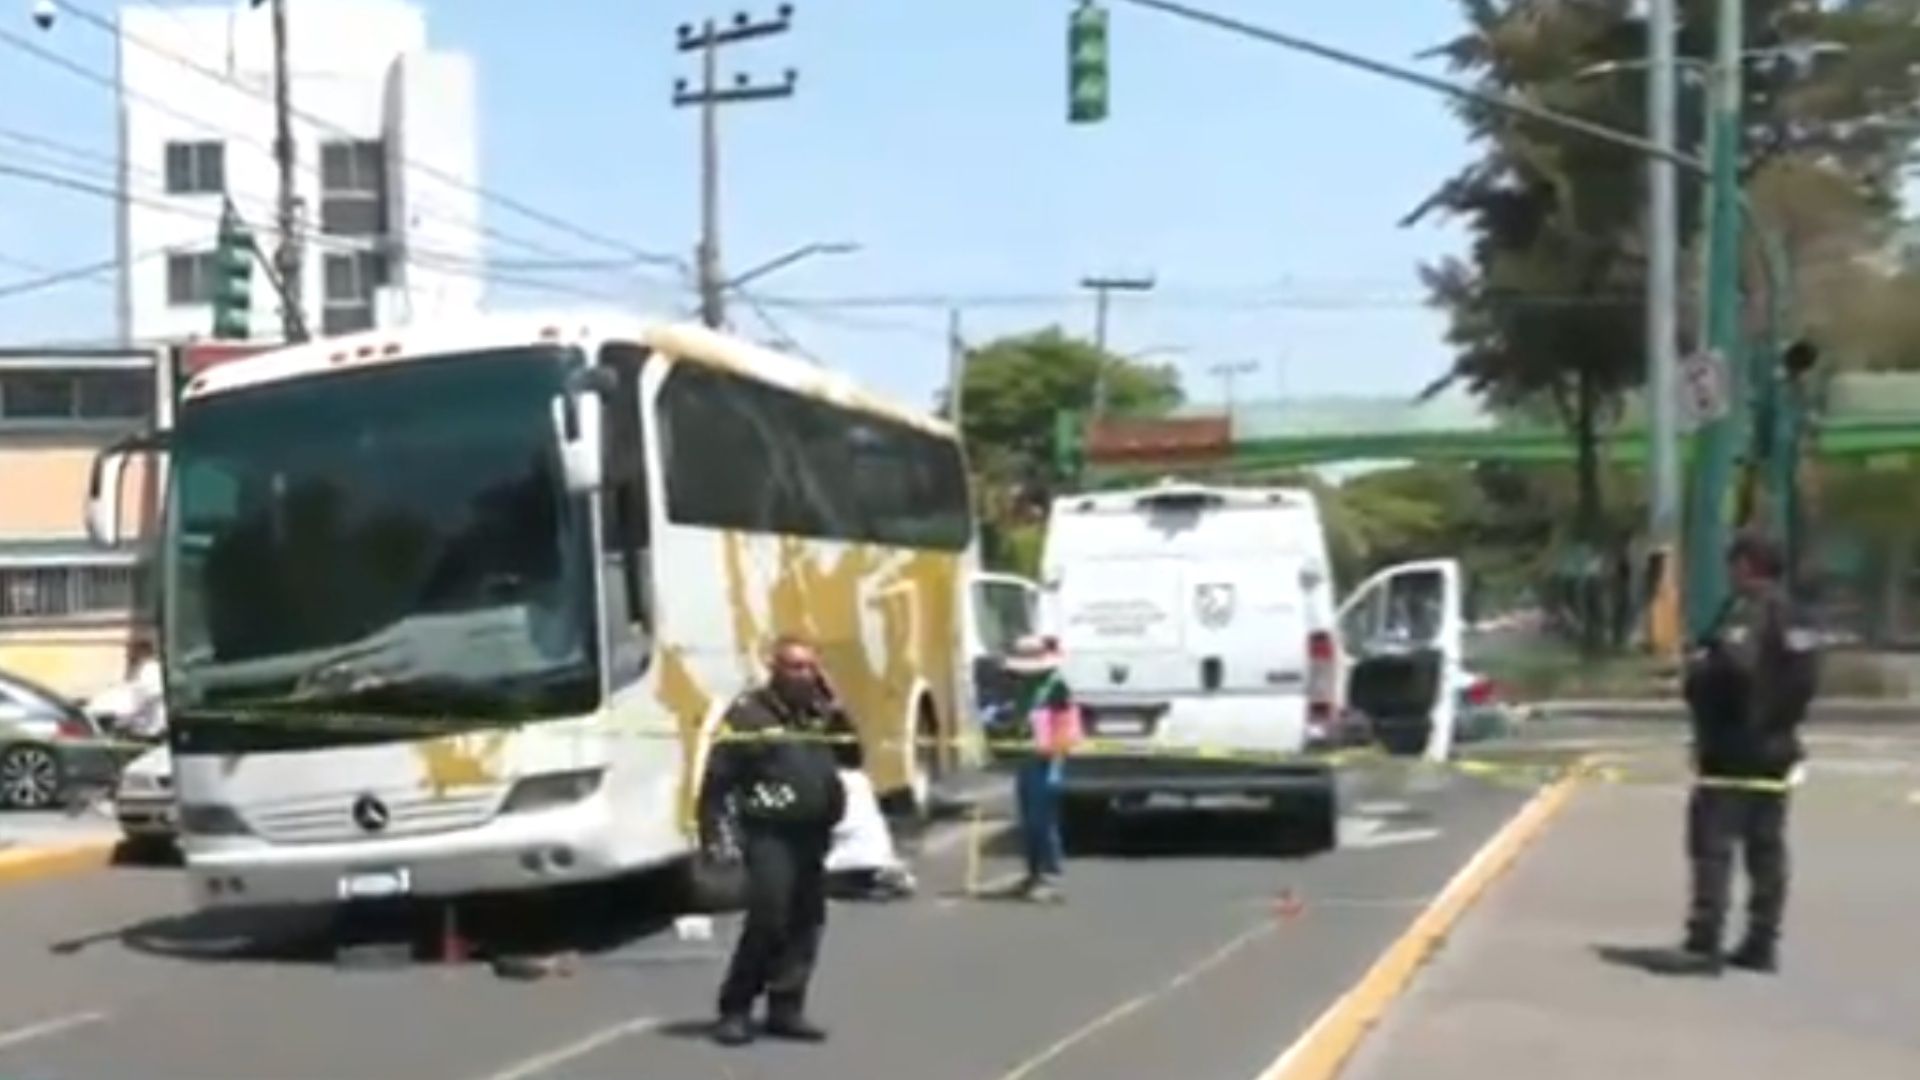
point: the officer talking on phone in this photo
(1748, 687)
(788, 796)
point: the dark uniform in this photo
(1748, 689)
(787, 796)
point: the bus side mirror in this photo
(103, 497)
(106, 481)
(576, 425)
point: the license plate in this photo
(1120, 725)
(376, 884)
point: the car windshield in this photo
(389, 543)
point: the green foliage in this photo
(1546, 307)
(1015, 387)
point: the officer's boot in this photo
(1759, 952)
(1700, 949)
(787, 1019)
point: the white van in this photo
(1201, 622)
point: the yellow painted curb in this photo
(49, 860)
(1324, 1049)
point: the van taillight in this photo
(72, 727)
(1322, 671)
(1482, 692)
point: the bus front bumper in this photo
(508, 854)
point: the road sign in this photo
(1705, 389)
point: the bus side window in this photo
(625, 535)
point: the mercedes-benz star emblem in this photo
(370, 813)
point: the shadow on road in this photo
(1653, 960)
(1190, 834)
(586, 921)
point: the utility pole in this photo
(1101, 287)
(1228, 373)
(1663, 277)
(956, 370)
(1706, 571)
(287, 256)
(709, 97)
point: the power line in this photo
(506, 202)
(425, 257)
(55, 278)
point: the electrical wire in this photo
(426, 257)
(506, 202)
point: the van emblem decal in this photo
(1213, 604)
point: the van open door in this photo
(1402, 631)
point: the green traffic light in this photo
(1087, 64)
(233, 279)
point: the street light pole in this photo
(1706, 571)
(1663, 276)
(1228, 373)
(781, 262)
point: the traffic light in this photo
(233, 278)
(1087, 64)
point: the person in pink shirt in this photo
(1042, 709)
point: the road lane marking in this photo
(1135, 1004)
(9, 1039)
(26, 862)
(1324, 1048)
(534, 1066)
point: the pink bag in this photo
(1056, 731)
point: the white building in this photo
(386, 160)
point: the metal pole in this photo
(1663, 450)
(709, 97)
(1101, 286)
(956, 370)
(1706, 574)
(287, 256)
(712, 309)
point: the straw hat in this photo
(1032, 655)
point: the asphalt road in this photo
(1172, 957)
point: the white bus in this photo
(457, 608)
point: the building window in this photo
(353, 188)
(190, 277)
(196, 168)
(64, 396)
(49, 593)
(352, 279)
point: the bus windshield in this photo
(391, 549)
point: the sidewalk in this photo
(1521, 989)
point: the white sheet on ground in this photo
(861, 841)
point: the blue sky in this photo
(1262, 188)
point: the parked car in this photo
(144, 800)
(49, 747)
(1483, 712)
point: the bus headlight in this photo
(552, 789)
(211, 819)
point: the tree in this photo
(1014, 388)
(1547, 303)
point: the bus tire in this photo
(927, 766)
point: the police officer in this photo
(1748, 686)
(787, 794)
